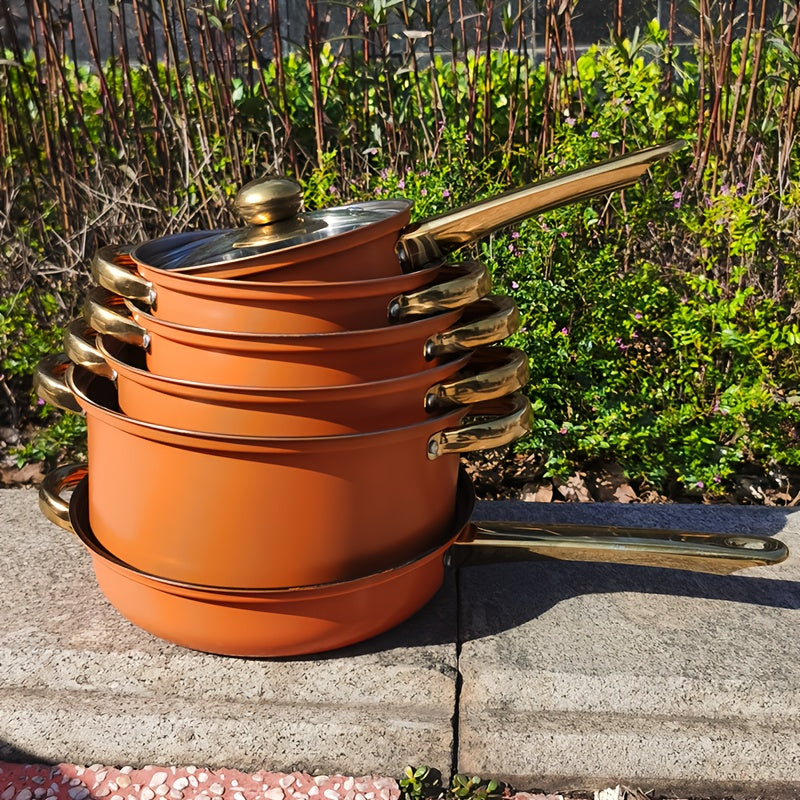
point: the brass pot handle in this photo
(106, 312)
(491, 372)
(51, 490)
(457, 286)
(79, 347)
(49, 383)
(114, 269)
(494, 431)
(486, 321)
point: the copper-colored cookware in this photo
(312, 619)
(371, 239)
(297, 307)
(317, 359)
(484, 374)
(277, 511)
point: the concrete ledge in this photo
(552, 675)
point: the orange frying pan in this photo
(312, 619)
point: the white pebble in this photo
(39, 793)
(286, 781)
(126, 769)
(158, 778)
(313, 790)
(193, 782)
(123, 780)
(37, 779)
(331, 795)
(161, 790)
(238, 796)
(147, 793)
(203, 777)
(349, 783)
(8, 792)
(217, 789)
(76, 793)
(320, 779)
(103, 792)
(300, 796)
(275, 793)
(180, 784)
(75, 782)
(175, 794)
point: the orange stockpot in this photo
(296, 307)
(484, 374)
(280, 511)
(312, 619)
(316, 359)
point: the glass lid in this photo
(271, 208)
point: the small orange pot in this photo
(312, 619)
(484, 374)
(280, 511)
(318, 359)
(296, 307)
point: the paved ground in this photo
(554, 675)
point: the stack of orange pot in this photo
(279, 410)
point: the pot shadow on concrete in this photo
(502, 597)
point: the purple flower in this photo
(401, 184)
(424, 192)
(700, 485)
(563, 234)
(445, 193)
(39, 402)
(717, 479)
(594, 135)
(637, 315)
(571, 121)
(514, 285)
(333, 190)
(565, 331)
(515, 234)
(562, 431)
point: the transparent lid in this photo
(271, 207)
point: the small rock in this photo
(537, 493)
(573, 490)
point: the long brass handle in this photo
(51, 490)
(432, 239)
(79, 347)
(486, 321)
(491, 431)
(463, 283)
(49, 383)
(114, 269)
(715, 553)
(106, 312)
(491, 372)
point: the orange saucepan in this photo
(312, 619)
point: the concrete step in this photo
(554, 675)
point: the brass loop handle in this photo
(113, 268)
(79, 347)
(491, 372)
(51, 491)
(106, 312)
(486, 321)
(463, 283)
(486, 434)
(49, 383)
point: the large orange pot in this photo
(312, 619)
(483, 374)
(280, 511)
(287, 307)
(317, 359)
(371, 239)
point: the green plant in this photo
(420, 783)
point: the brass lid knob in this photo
(269, 199)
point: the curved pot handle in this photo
(106, 312)
(79, 347)
(494, 431)
(463, 283)
(492, 372)
(486, 321)
(51, 489)
(113, 268)
(50, 384)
